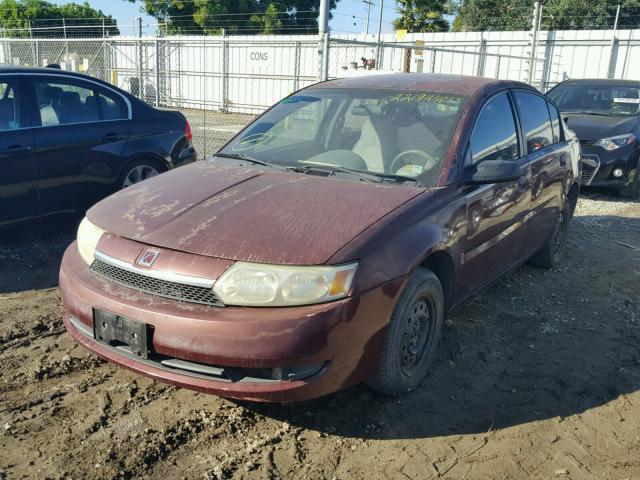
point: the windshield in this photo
(380, 132)
(597, 99)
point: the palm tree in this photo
(421, 16)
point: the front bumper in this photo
(338, 342)
(598, 165)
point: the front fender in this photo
(399, 242)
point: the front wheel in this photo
(632, 191)
(413, 335)
(550, 254)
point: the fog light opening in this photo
(618, 172)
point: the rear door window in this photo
(112, 106)
(494, 135)
(534, 117)
(64, 103)
(9, 106)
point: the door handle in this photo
(16, 149)
(563, 160)
(522, 182)
(112, 137)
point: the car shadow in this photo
(535, 345)
(30, 254)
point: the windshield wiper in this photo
(397, 178)
(368, 176)
(585, 112)
(244, 158)
(335, 168)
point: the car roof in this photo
(602, 81)
(9, 69)
(431, 82)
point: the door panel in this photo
(18, 181)
(496, 213)
(546, 156)
(79, 145)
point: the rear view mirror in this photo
(492, 171)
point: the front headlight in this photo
(262, 285)
(611, 143)
(88, 237)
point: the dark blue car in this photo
(605, 115)
(68, 140)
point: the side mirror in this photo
(492, 171)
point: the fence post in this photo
(225, 75)
(534, 42)
(325, 57)
(140, 66)
(105, 66)
(482, 47)
(157, 72)
(66, 42)
(296, 68)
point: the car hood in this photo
(241, 213)
(593, 127)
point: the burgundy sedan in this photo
(325, 243)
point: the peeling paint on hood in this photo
(252, 214)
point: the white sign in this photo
(626, 100)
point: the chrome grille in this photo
(153, 286)
(590, 166)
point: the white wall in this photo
(249, 73)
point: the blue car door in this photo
(18, 181)
(84, 128)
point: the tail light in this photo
(187, 131)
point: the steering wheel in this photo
(430, 160)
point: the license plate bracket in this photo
(118, 331)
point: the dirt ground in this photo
(537, 377)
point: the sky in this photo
(348, 17)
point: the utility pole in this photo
(366, 24)
(534, 42)
(378, 49)
(613, 50)
(323, 30)
(323, 22)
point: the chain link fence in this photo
(221, 83)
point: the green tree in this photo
(271, 21)
(39, 18)
(474, 15)
(247, 17)
(421, 16)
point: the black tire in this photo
(632, 191)
(151, 167)
(550, 255)
(413, 335)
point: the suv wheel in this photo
(137, 172)
(550, 254)
(413, 335)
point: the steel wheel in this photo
(559, 237)
(139, 173)
(415, 336)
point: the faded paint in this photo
(239, 213)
